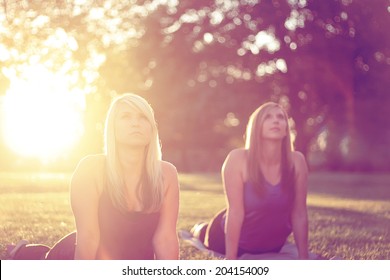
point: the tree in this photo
(206, 65)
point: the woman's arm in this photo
(232, 179)
(84, 197)
(165, 241)
(299, 213)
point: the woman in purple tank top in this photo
(266, 187)
(125, 201)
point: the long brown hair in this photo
(254, 144)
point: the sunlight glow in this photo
(42, 117)
(322, 140)
(231, 120)
(264, 40)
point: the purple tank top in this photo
(267, 220)
(125, 236)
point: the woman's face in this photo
(274, 124)
(132, 127)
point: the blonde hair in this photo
(254, 144)
(150, 190)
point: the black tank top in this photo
(125, 236)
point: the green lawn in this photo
(349, 214)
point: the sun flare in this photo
(42, 117)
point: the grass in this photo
(349, 214)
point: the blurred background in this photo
(204, 66)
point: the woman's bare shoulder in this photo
(92, 162)
(90, 170)
(236, 164)
(86, 186)
(170, 176)
(297, 154)
(167, 166)
(298, 158)
(169, 170)
(299, 163)
(238, 154)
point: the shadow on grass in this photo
(349, 234)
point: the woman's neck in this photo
(131, 160)
(270, 161)
(271, 153)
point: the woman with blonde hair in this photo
(266, 187)
(125, 201)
